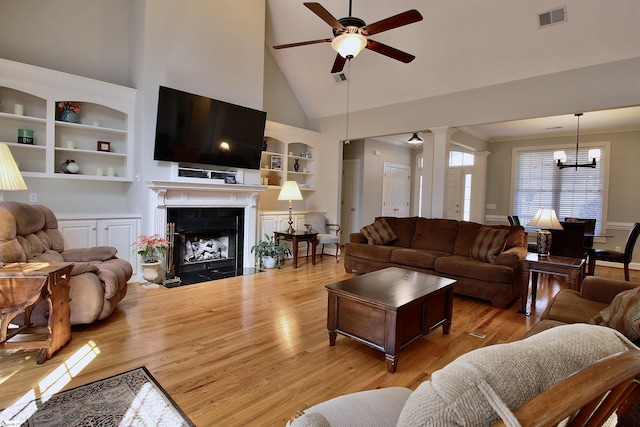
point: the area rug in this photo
(133, 398)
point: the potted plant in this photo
(269, 251)
(151, 249)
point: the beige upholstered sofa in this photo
(446, 247)
(478, 388)
(29, 233)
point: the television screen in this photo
(196, 129)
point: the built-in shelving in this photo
(106, 114)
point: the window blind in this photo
(572, 193)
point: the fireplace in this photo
(237, 232)
(205, 243)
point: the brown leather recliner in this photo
(29, 233)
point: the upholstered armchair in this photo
(327, 233)
(29, 233)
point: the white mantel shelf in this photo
(199, 186)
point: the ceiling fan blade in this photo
(389, 51)
(338, 64)
(324, 14)
(404, 18)
(283, 46)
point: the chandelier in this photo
(560, 157)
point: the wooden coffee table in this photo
(389, 309)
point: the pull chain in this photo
(347, 141)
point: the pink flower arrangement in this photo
(150, 247)
(72, 106)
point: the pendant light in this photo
(415, 139)
(560, 157)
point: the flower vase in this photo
(150, 273)
(68, 116)
(296, 165)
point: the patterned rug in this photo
(132, 398)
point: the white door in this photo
(396, 190)
(350, 199)
(454, 194)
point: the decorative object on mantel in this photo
(290, 191)
(560, 156)
(70, 166)
(69, 111)
(151, 249)
(104, 146)
(545, 219)
(25, 136)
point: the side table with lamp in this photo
(290, 191)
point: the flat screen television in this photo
(196, 129)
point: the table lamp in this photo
(545, 219)
(290, 191)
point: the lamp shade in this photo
(10, 177)
(546, 219)
(290, 191)
(349, 44)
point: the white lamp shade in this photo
(594, 153)
(290, 191)
(560, 155)
(10, 177)
(349, 44)
(546, 219)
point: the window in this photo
(539, 183)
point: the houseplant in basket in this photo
(269, 252)
(152, 250)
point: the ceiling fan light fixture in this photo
(415, 139)
(349, 45)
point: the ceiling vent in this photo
(340, 77)
(554, 16)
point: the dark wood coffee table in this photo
(389, 309)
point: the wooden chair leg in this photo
(337, 249)
(626, 272)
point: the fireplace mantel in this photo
(191, 193)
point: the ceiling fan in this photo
(351, 35)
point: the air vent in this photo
(340, 77)
(554, 16)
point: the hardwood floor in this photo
(252, 350)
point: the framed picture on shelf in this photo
(276, 162)
(104, 146)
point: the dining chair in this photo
(513, 220)
(316, 221)
(614, 256)
(568, 242)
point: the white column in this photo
(436, 166)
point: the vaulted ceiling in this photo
(459, 45)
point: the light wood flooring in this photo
(252, 350)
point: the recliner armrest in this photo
(604, 290)
(98, 253)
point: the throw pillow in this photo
(622, 314)
(378, 233)
(488, 244)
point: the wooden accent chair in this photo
(593, 394)
(614, 256)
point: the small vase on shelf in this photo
(68, 116)
(296, 165)
(70, 166)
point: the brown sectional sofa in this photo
(442, 247)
